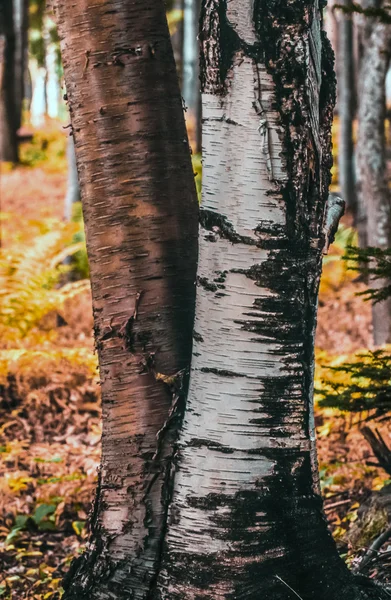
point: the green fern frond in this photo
(364, 384)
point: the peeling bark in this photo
(140, 212)
(372, 181)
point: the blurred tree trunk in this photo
(191, 83)
(140, 210)
(8, 109)
(177, 40)
(21, 54)
(331, 27)
(373, 187)
(364, 27)
(346, 105)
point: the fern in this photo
(35, 363)
(363, 384)
(30, 274)
(373, 262)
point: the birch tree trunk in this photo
(346, 105)
(373, 188)
(8, 114)
(246, 519)
(140, 211)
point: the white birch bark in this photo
(245, 458)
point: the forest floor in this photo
(50, 410)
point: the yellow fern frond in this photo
(31, 267)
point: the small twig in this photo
(382, 556)
(288, 586)
(335, 504)
(374, 549)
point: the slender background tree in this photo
(8, 108)
(371, 159)
(346, 105)
(191, 84)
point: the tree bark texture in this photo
(73, 189)
(246, 519)
(8, 112)
(346, 105)
(242, 519)
(140, 211)
(373, 188)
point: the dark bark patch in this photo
(127, 333)
(221, 372)
(219, 43)
(276, 511)
(200, 442)
(197, 337)
(219, 224)
(206, 284)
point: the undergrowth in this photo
(49, 406)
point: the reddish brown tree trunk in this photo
(140, 213)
